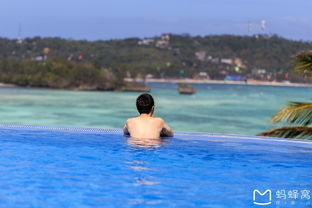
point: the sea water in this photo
(217, 108)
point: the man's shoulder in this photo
(158, 119)
(131, 119)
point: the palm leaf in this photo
(303, 61)
(297, 113)
(296, 132)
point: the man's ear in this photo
(153, 108)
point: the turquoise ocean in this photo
(215, 108)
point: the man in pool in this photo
(145, 125)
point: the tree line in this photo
(57, 73)
(177, 59)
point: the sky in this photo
(116, 19)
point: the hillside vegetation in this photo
(56, 62)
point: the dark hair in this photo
(145, 103)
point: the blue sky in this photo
(114, 19)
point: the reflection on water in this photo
(142, 181)
(143, 176)
(146, 143)
(138, 168)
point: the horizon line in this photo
(159, 35)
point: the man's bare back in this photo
(146, 126)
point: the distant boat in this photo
(186, 89)
(135, 87)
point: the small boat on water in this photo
(135, 87)
(186, 89)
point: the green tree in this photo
(303, 63)
(58, 73)
(296, 114)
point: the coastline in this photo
(191, 81)
(7, 85)
(194, 81)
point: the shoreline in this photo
(194, 81)
(190, 81)
(7, 85)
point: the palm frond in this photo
(295, 132)
(297, 113)
(303, 61)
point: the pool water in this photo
(59, 167)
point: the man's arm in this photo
(166, 131)
(125, 129)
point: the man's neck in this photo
(145, 115)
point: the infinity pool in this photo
(73, 167)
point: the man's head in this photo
(145, 103)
